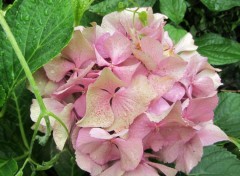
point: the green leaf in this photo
(175, 33)
(2, 96)
(89, 17)
(41, 28)
(217, 161)
(219, 50)
(220, 5)
(109, 6)
(8, 167)
(80, 6)
(227, 114)
(1, 4)
(11, 143)
(66, 165)
(174, 9)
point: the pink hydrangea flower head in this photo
(128, 95)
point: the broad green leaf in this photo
(11, 144)
(41, 28)
(1, 3)
(220, 5)
(217, 161)
(80, 6)
(109, 6)
(89, 17)
(174, 9)
(2, 96)
(175, 33)
(8, 167)
(66, 165)
(219, 50)
(227, 114)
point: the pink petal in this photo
(101, 50)
(128, 103)
(210, 133)
(58, 68)
(185, 44)
(99, 112)
(41, 81)
(161, 84)
(174, 115)
(118, 48)
(87, 164)
(176, 93)
(111, 23)
(115, 170)
(106, 152)
(150, 52)
(79, 49)
(100, 133)
(173, 67)
(168, 171)
(201, 109)
(131, 151)
(142, 170)
(51, 104)
(80, 105)
(192, 154)
(203, 87)
(85, 142)
(60, 135)
(158, 106)
(213, 75)
(126, 70)
(140, 127)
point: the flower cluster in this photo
(131, 98)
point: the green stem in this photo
(37, 124)
(59, 120)
(26, 69)
(24, 138)
(18, 158)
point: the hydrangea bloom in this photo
(127, 94)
